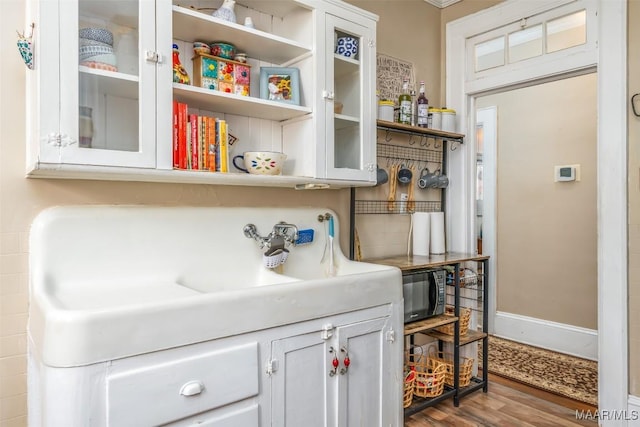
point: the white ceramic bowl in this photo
(261, 162)
(101, 35)
(86, 52)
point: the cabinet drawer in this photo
(151, 395)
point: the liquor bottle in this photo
(404, 102)
(423, 108)
(414, 113)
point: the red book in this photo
(202, 149)
(182, 136)
(176, 163)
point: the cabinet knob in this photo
(192, 388)
(152, 56)
(327, 331)
(59, 139)
(328, 94)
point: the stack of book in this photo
(199, 142)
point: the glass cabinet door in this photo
(106, 90)
(350, 95)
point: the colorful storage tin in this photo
(221, 74)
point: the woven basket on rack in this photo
(465, 317)
(446, 359)
(409, 380)
(429, 377)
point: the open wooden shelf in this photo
(428, 324)
(467, 338)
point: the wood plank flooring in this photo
(506, 404)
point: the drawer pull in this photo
(192, 388)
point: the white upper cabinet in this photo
(344, 115)
(96, 94)
(102, 93)
(349, 96)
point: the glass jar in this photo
(385, 110)
(436, 118)
(448, 120)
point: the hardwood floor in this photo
(506, 404)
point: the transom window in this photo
(529, 38)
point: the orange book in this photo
(193, 125)
(211, 143)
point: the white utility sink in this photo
(108, 282)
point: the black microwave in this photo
(424, 294)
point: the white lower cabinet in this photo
(332, 377)
(342, 370)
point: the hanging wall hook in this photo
(25, 46)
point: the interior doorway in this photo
(606, 48)
(540, 228)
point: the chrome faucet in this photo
(281, 235)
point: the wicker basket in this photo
(446, 359)
(409, 380)
(429, 377)
(465, 318)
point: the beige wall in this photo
(546, 231)
(634, 203)
(410, 30)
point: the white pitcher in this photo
(226, 11)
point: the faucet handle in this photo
(250, 231)
(280, 229)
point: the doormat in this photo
(554, 372)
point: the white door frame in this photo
(611, 60)
(489, 117)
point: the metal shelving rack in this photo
(427, 327)
(430, 145)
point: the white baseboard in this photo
(633, 411)
(560, 337)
